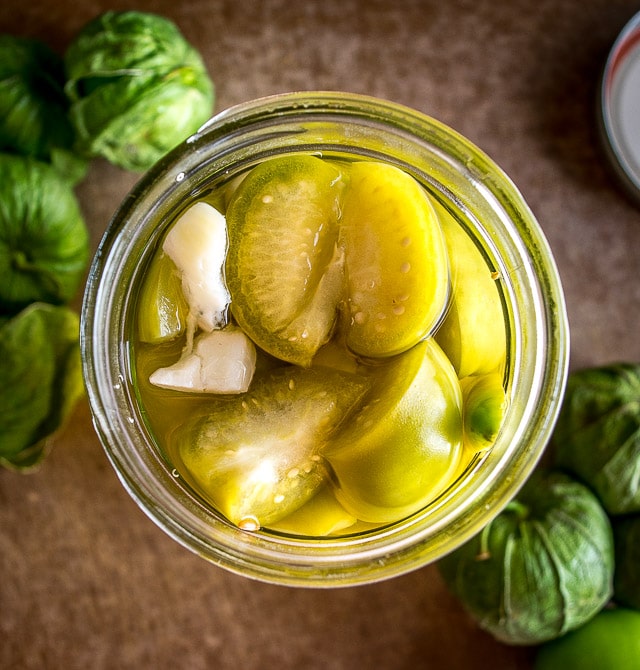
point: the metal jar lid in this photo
(619, 106)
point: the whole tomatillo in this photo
(40, 381)
(44, 241)
(137, 88)
(597, 436)
(542, 567)
(33, 107)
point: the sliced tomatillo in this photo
(162, 308)
(323, 515)
(396, 261)
(472, 333)
(284, 271)
(403, 445)
(257, 455)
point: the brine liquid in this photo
(168, 412)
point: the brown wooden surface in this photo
(88, 581)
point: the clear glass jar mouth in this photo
(468, 180)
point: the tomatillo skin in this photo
(597, 436)
(403, 446)
(541, 568)
(44, 241)
(396, 262)
(40, 381)
(33, 107)
(136, 88)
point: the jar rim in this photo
(538, 379)
(617, 104)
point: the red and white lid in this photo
(619, 106)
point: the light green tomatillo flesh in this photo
(258, 455)
(403, 446)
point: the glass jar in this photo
(475, 191)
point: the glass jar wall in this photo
(482, 200)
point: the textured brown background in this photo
(87, 581)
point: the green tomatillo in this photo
(137, 88)
(609, 641)
(40, 380)
(597, 436)
(44, 242)
(541, 568)
(33, 107)
(403, 446)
